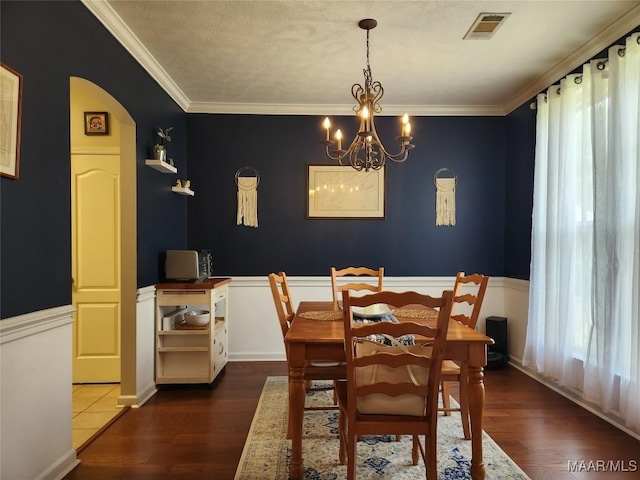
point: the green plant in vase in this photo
(160, 149)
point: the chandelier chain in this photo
(367, 73)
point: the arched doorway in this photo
(118, 147)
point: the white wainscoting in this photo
(35, 405)
(254, 332)
(35, 378)
(36, 359)
(145, 346)
(516, 310)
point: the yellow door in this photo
(95, 218)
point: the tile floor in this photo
(93, 407)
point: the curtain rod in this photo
(601, 65)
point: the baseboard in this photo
(257, 357)
(61, 468)
(136, 401)
(615, 421)
(149, 391)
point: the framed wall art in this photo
(335, 191)
(10, 121)
(96, 123)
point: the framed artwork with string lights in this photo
(336, 191)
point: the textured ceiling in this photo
(303, 56)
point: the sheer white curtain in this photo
(584, 302)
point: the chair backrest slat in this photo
(468, 291)
(349, 275)
(282, 300)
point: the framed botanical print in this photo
(10, 121)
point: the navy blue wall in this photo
(518, 188)
(407, 242)
(48, 42)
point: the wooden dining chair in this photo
(316, 370)
(348, 275)
(468, 294)
(392, 390)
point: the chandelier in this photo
(366, 150)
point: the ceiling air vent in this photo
(485, 26)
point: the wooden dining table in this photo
(311, 339)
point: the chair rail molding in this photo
(251, 309)
(33, 323)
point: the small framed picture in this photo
(96, 123)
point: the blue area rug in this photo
(267, 453)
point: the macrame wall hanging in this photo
(247, 180)
(445, 198)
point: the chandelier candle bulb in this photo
(405, 120)
(327, 126)
(339, 139)
(365, 116)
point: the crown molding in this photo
(455, 110)
(336, 110)
(114, 24)
(608, 36)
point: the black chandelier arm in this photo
(373, 151)
(356, 91)
(376, 88)
(398, 157)
(352, 154)
(361, 162)
(363, 154)
(366, 163)
(340, 154)
(356, 162)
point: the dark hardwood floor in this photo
(198, 432)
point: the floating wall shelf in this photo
(183, 191)
(161, 166)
